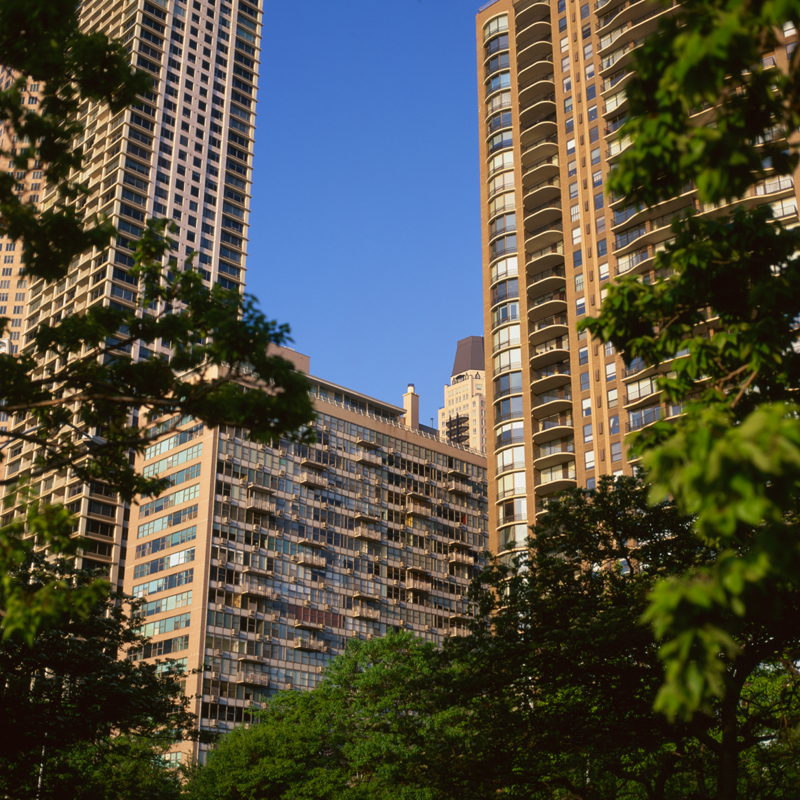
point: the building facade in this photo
(551, 82)
(259, 563)
(462, 419)
(183, 152)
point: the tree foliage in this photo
(706, 111)
(80, 721)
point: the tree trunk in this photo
(728, 768)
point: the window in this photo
(6, 272)
(590, 71)
(585, 11)
(562, 6)
(575, 212)
(591, 483)
(572, 168)
(789, 28)
(602, 248)
(565, 63)
(611, 372)
(583, 356)
(588, 52)
(588, 458)
(577, 258)
(597, 178)
(616, 451)
(579, 283)
(601, 223)
(567, 82)
(613, 425)
(586, 407)
(569, 125)
(591, 91)
(592, 114)
(596, 155)
(587, 433)
(612, 398)
(594, 133)
(608, 347)
(567, 105)
(586, 31)
(598, 202)
(584, 381)
(564, 43)
(570, 147)
(576, 236)
(573, 190)
(603, 269)
(8, 260)
(580, 306)
(562, 24)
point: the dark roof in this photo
(469, 355)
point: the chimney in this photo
(411, 405)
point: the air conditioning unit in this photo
(295, 517)
(223, 435)
(327, 606)
(370, 636)
(395, 601)
(293, 579)
(214, 675)
(320, 670)
(349, 572)
(306, 602)
(226, 520)
(224, 457)
(212, 723)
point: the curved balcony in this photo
(504, 345)
(533, 11)
(530, 51)
(543, 260)
(555, 482)
(541, 70)
(543, 213)
(550, 377)
(547, 188)
(640, 396)
(549, 352)
(547, 328)
(544, 236)
(537, 100)
(619, 57)
(547, 304)
(614, 14)
(539, 171)
(510, 366)
(497, 104)
(540, 149)
(636, 28)
(615, 82)
(554, 426)
(554, 453)
(534, 29)
(550, 279)
(602, 7)
(554, 401)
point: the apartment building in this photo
(259, 563)
(551, 82)
(462, 418)
(183, 152)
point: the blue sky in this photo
(365, 221)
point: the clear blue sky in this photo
(365, 221)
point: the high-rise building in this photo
(259, 563)
(462, 419)
(183, 152)
(551, 82)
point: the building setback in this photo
(261, 562)
(183, 152)
(551, 83)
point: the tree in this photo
(73, 390)
(579, 672)
(382, 724)
(725, 321)
(80, 721)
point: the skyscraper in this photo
(551, 82)
(462, 418)
(183, 152)
(259, 563)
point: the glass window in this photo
(596, 155)
(575, 212)
(602, 248)
(611, 372)
(562, 24)
(608, 347)
(570, 147)
(598, 201)
(588, 458)
(590, 71)
(567, 82)
(573, 190)
(587, 433)
(565, 63)
(597, 178)
(594, 133)
(616, 451)
(583, 356)
(613, 425)
(579, 283)
(612, 398)
(569, 125)
(572, 168)
(588, 52)
(586, 407)
(580, 306)
(592, 113)
(591, 91)
(562, 6)
(576, 236)
(585, 11)
(586, 31)
(577, 258)
(568, 105)
(564, 43)
(591, 483)
(584, 381)
(603, 269)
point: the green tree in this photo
(579, 673)
(79, 720)
(72, 391)
(725, 321)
